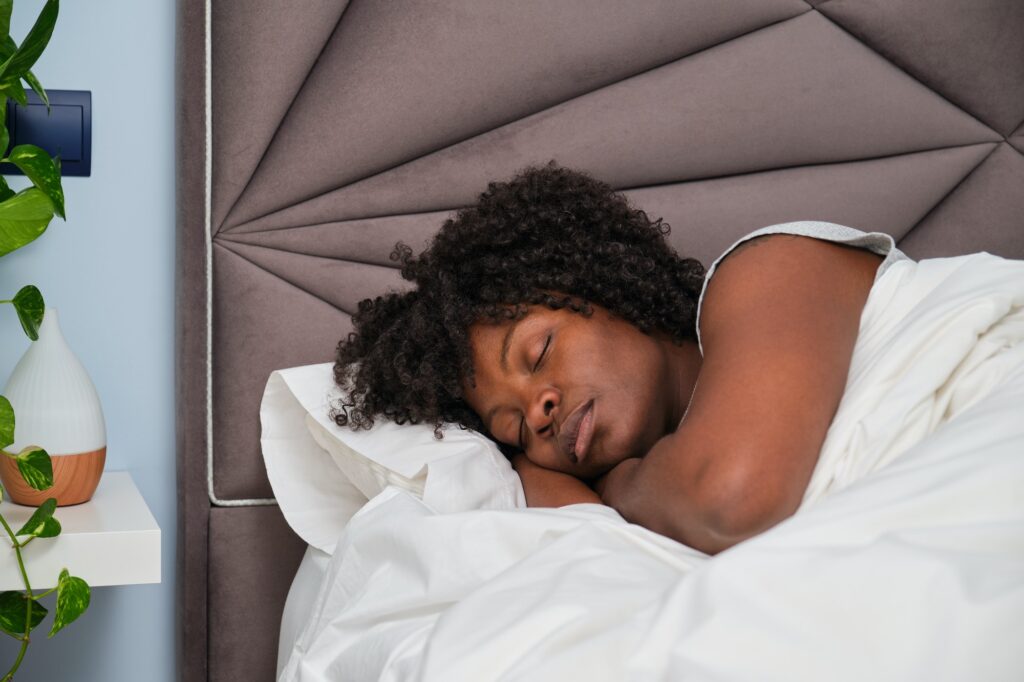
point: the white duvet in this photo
(905, 562)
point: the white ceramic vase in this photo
(56, 407)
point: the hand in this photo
(547, 488)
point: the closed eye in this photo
(543, 352)
(536, 366)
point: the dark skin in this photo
(709, 451)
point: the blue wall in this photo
(109, 270)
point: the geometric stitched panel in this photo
(378, 120)
(399, 79)
(798, 92)
(972, 53)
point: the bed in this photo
(310, 141)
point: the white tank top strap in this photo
(877, 242)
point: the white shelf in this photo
(112, 539)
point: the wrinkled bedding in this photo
(904, 562)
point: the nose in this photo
(540, 411)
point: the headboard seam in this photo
(208, 239)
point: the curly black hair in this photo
(547, 231)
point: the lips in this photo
(576, 432)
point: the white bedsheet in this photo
(905, 562)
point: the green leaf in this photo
(6, 7)
(9, 47)
(35, 42)
(23, 218)
(34, 83)
(5, 141)
(42, 524)
(5, 190)
(6, 422)
(40, 169)
(30, 306)
(13, 609)
(72, 601)
(13, 88)
(35, 467)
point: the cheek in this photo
(634, 390)
(474, 397)
(632, 368)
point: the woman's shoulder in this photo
(787, 269)
(799, 244)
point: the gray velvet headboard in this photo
(314, 135)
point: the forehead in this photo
(486, 337)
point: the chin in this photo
(614, 451)
(627, 436)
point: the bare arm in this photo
(547, 488)
(778, 326)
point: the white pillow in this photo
(322, 473)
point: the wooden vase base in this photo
(75, 478)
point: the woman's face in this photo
(577, 394)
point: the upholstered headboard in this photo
(313, 136)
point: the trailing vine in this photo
(24, 216)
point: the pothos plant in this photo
(24, 216)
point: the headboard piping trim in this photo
(208, 238)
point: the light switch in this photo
(65, 131)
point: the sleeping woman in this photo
(555, 318)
